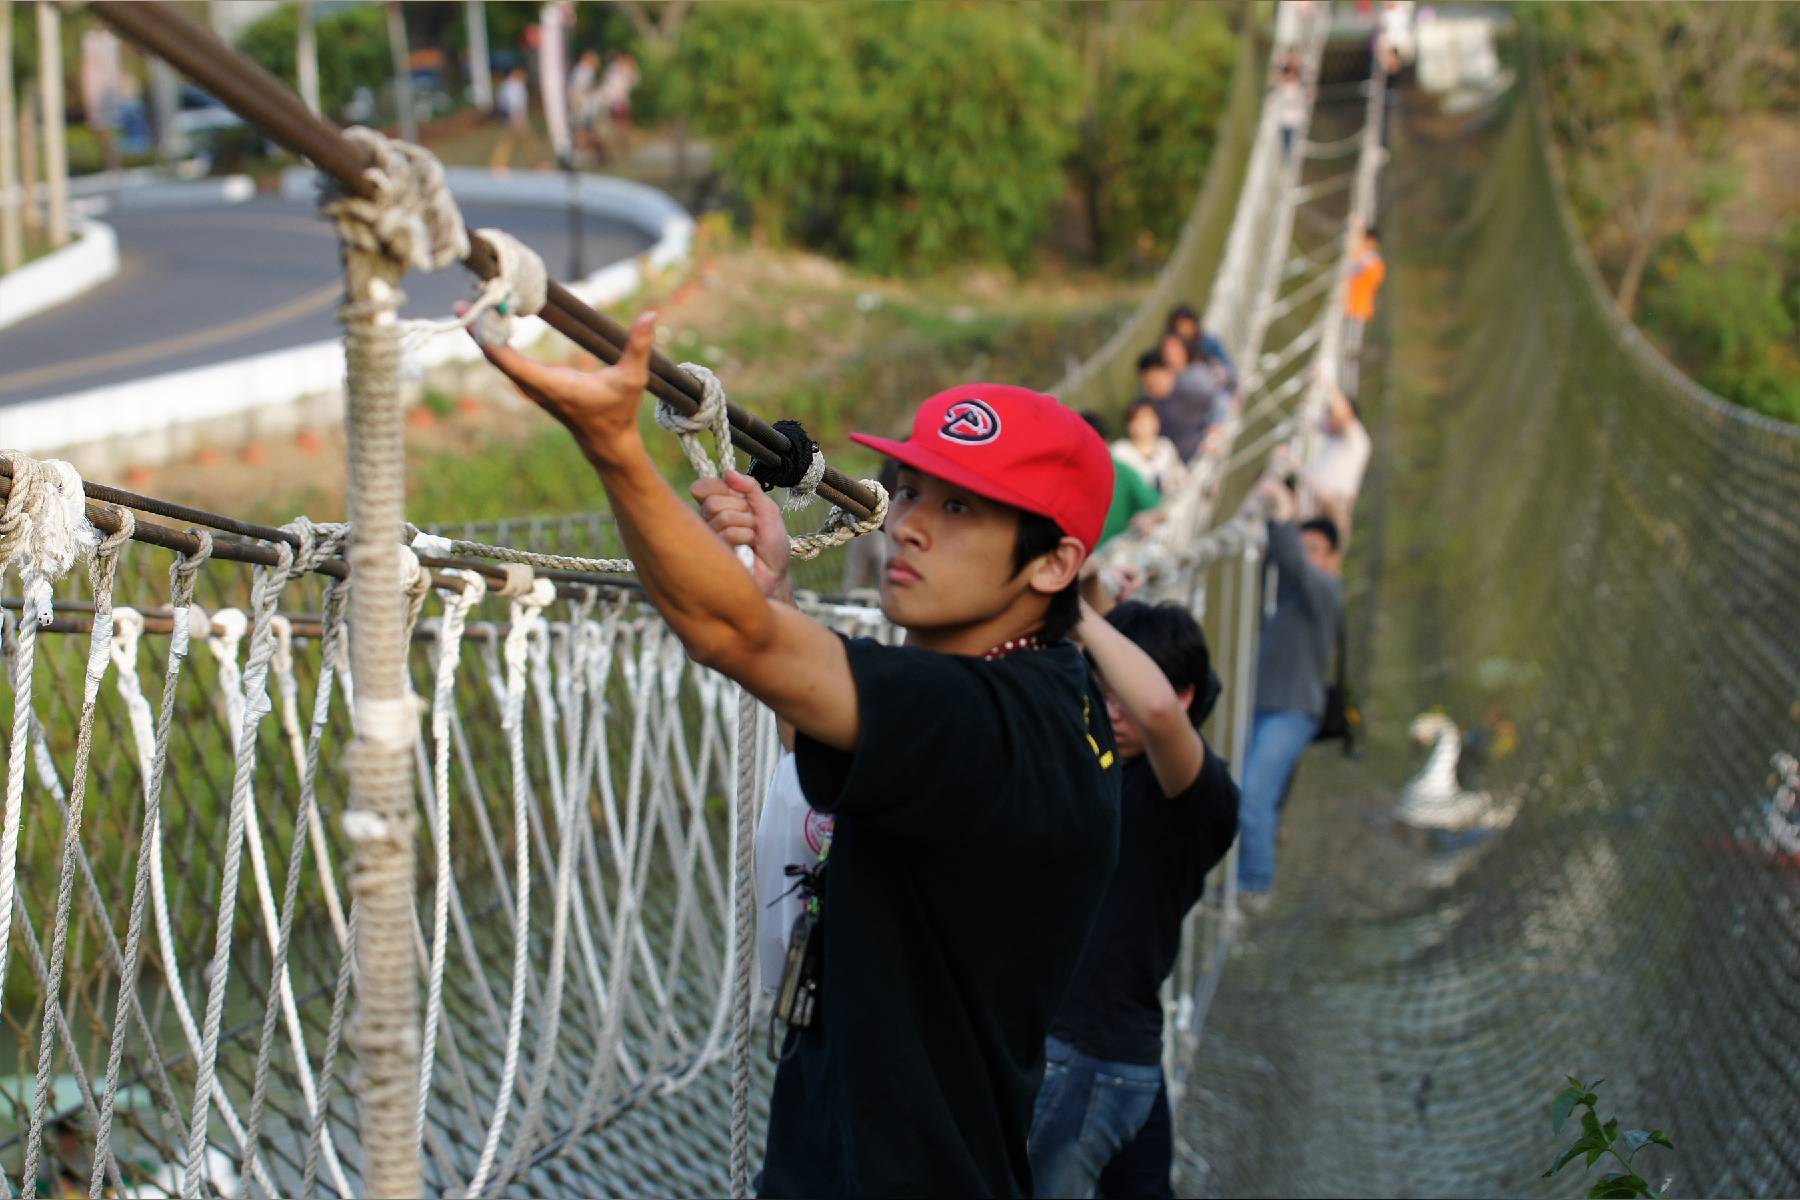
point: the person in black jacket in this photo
(970, 773)
(1177, 818)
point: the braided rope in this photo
(265, 591)
(743, 938)
(449, 644)
(526, 611)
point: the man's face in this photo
(1126, 734)
(1319, 552)
(949, 556)
(1157, 382)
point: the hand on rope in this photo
(738, 510)
(601, 409)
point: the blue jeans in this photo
(1087, 1110)
(1277, 739)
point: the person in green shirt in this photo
(1136, 504)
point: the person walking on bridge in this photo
(1367, 274)
(970, 773)
(1292, 662)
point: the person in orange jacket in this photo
(1366, 276)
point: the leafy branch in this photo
(1599, 1140)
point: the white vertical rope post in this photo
(406, 220)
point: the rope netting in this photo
(189, 993)
(1589, 564)
(190, 963)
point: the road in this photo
(201, 286)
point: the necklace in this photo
(1013, 646)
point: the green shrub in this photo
(905, 136)
(766, 83)
(1155, 114)
(956, 135)
(353, 49)
(1736, 314)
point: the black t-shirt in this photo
(977, 825)
(1166, 847)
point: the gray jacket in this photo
(1294, 661)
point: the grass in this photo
(791, 334)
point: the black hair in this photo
(1172, 638)
(1097, 423)
(1150, 360)
(1038, 536)
(1372, 233)
(1143, 402)
(1324, 526)
(1181, 312)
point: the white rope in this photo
(449, 644)
(526, 612)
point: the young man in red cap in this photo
(969, 773)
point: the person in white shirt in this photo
(1333, 476)
(1146, 451)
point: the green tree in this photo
(766, 82)
(956, 135)
(353, 47)
(1160, 87)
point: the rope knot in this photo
(410, 218)
(519, 288)
(801, 468)
(43, 528)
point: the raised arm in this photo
(1286, 552)
(1171, 742)
(788, 661)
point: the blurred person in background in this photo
(1145, 450)
(1294, 658)
(513, 104)
(1135, 504)
(1185, 322)
(1332, 478)
(1367, 273)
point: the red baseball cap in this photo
(1014, 446)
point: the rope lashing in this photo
(841, 526)
(712, 416)
(410, 218)
(43, 528)
(402, 217)
(801, 468)
(519, 287)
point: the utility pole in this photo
(12, 240)
(403, 93)
(164, 104)
(306, 58)
(50, 90)
(481, 75)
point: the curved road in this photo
(205, 285)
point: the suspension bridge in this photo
(343, 859)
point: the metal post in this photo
(403, 93)
(12, 240)
(481, 75)
(306, 58)
(50, 91)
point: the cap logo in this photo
(972, 422)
